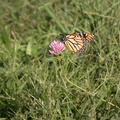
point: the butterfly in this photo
(76, 42)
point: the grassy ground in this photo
(36, 85)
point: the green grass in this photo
(36, 85)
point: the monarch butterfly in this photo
(76, 42)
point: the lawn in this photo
(37, 85)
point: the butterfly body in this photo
(76, 42)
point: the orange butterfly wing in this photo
(74, 42)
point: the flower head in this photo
(56, 47)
